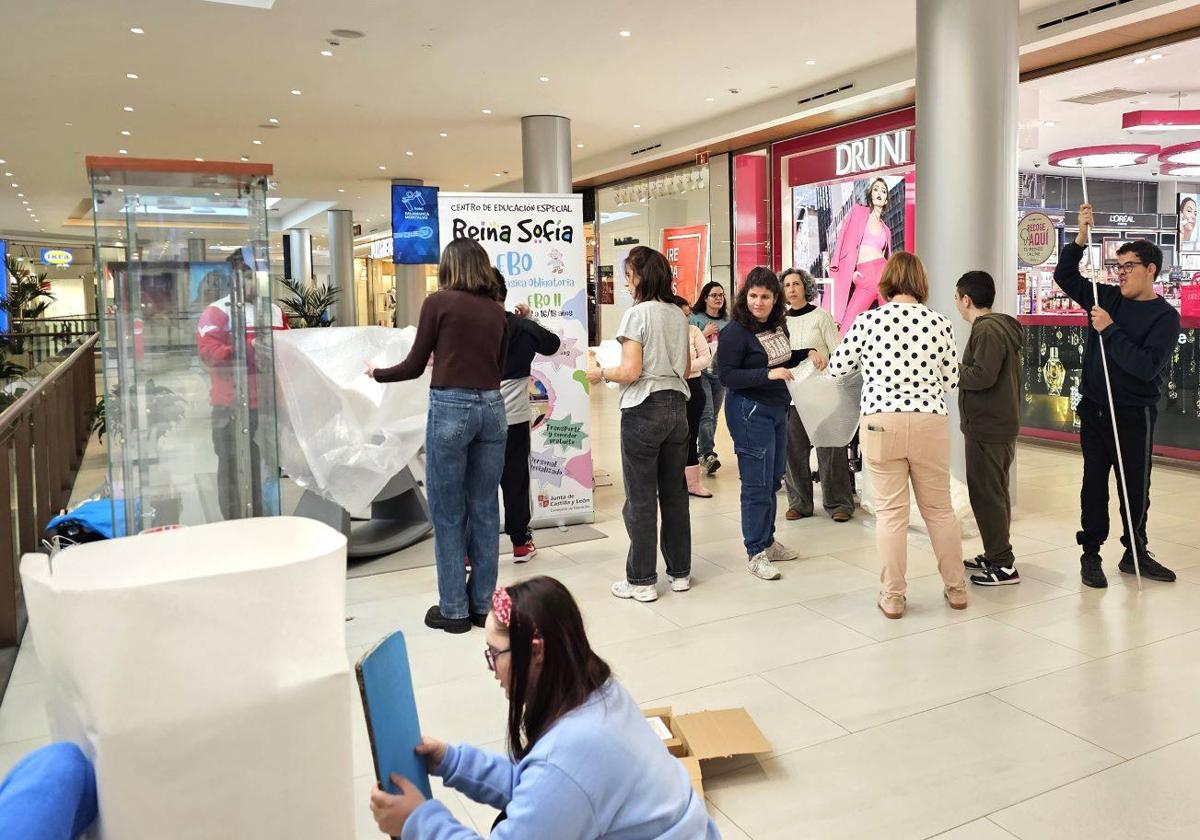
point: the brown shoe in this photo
(793, 514)
(841, 516)
(957, 598)
(892, 605)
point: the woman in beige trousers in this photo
(909, 362)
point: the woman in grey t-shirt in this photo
(654, 432)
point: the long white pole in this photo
(1112, 409)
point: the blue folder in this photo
(385, 681)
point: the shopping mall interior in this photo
(234, 490)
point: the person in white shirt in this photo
(909, 362)
(811, 326)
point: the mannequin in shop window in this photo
(860, 254)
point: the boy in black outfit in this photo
(1140, 331)
(989, 407)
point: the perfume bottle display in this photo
(1053, 373)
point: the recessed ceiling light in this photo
(16, 184)
(637, 125)
(3, 161)
(245, 159)
(8, 175)
(129, 109)
(340, 189)
(327, 53)
(487, 110)
(198, 160)
(1141, 59)
(68, 125)
(382, 167)
(137, 30)
(710, 99)
(410, 154)
(1155, 56)
(578, 145)
(217, 194)
(497, 174)
(120, 189)
(543, 78)
(26, 203)
(124, 132)
(443, 134)
(624, 33)
(123, 152)
(811, 62)
(296, 92)
(20, 195)
(256, 142)
(131, 75)
(273, 121)
(468, 186)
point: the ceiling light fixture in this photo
(129, 109)
(710, 99)
(1155, 121)
(133, 76)
(1103, 157)
(327, 53)
(245, 159)
(467, 186)
(1141, 59)
(487, 110)
(1155, 56)
(137, 30)
(198, 160)
(1183, 154)
(382, 167)
(123, 152)
(296, 92)
(272, 121)
(811, 62)
(20, 195)
(624, 33)
(443, 134)
(543, 78)
(340, 189)
(578, 145)
(256, 142)
(15, 185)
(409, 154)
(637, 125)
(8, 175)
(124, 132)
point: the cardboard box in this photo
(701, 736)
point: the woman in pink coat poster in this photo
(859, 255)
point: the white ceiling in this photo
(1159, 81)
(209, 73)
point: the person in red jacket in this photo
(215, 343)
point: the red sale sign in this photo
(686, 249)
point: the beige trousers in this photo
(897, 448)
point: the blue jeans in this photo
(759, 435)
(464, 456)
(714, 393)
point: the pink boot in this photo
(694, 484)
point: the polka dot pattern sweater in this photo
(907, 356)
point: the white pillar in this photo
(300, 254)
(967, 77)
(410, 279)
(341, 266)
(546, 154)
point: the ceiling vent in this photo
(1082, 13)
(1101, 96)
(645, 149)
(833, 92)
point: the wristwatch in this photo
(603, 378)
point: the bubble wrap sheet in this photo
(828, 407)
(342, 434)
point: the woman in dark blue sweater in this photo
(753, 357)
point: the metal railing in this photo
(42, 439)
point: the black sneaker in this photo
(1150, 568)
(435, 619)
(479, 619)
(1091, 572)
(979, 562)
(997, 576)
(711, 464)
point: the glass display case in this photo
(186, 333)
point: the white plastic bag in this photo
(342, 434)
(608, 354)
(204, 672)
(828, 407)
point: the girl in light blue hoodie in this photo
(584, 763)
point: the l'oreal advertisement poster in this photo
(843, 234)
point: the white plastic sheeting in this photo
(204, 672)
(342, 434)
(828, 407)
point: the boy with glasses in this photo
(1139, 330)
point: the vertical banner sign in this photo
(537, 243)
(3, 286)
(686, 249)
(415, 225)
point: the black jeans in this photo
(653, 456)
(224, 438)
(514, 482)
(695, 410)
(1135, 428)
(833, 467)
(988, 467)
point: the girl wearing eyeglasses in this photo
(582, 761)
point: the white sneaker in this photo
(760, 566)
(777, 552)
(680, 584)
(625, 589)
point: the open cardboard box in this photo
(701, 736)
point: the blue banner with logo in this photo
(3, 286)
(415, 225)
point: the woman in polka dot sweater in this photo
(909, 362)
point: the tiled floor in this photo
(1045, 710)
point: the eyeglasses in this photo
(490, 654)
(1126, 267)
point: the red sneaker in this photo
(524, 553)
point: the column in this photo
(197, 250)
(966, 154)
(410, 279)
(341, 266)
(546, 154)
(300, 255)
